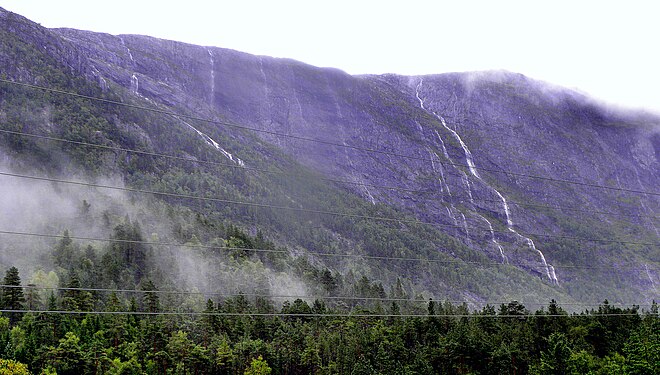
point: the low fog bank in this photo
(36, 207)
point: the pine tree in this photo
(32, 297)
(329, 283)
(151, 301)
(75, 299)
(555, 359)
(64, 252)
(12, 295)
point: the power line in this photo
(327, 212)
(306, 210)
(319, 254)
(320, 297)
(330, 143)
(315, 315)
(236, 166)
(220, 200)
(200, 161)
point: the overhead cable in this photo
(238, 166)
(315, 315)
(312, 253)
(320, 141)
(302, 296)
(307, 210)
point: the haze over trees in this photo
(177, 209)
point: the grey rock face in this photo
(458, 147)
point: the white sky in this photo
(609, 50)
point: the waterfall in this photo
(130, 55)
(465, 226)
(444, 149)
(492, 236)
(371, 197)
(359, 180)
(102, 82)
(419, 86)
(550, 270)
(444, 187)
(432, 161)
(215, 145)
(648, 274)
(135, 84)
(468, 154)
(443, 182)
(644, 207)
(212, 62)
(507, 212)
(465, 180)
(452, 216)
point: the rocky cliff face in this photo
(456, 150)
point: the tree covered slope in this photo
(430, 180)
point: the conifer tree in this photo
(151, 300)
(64, 252)
(12, 297)
(32, 298)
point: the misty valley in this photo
(168, 208)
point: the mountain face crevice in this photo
(458, 150)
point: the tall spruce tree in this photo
(12, 295)
(64, 252)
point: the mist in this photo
(49, 208)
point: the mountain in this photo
(511, 188)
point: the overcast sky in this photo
(609, 50)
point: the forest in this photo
(158, 255)
(354, 326)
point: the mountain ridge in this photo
(440, 121)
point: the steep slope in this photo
(453, 150)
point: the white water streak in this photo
(494, 240)
(263, 76)
(358, 179)
(212, 61)
(507, 211)
(102, 82)
(421, 102)
(130, 55)
(432, 161)
(465, 225)
(451, 215)
(641, 202)
(135, 84)
(445, 187)
(215, 144)
(550, 270)
(648, 274)
(468, 154)
(466, 181)
(443, 183)
(444, 149)
(371, 197)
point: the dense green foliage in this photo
(152, 247)
(239, 335)
(27, 55)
